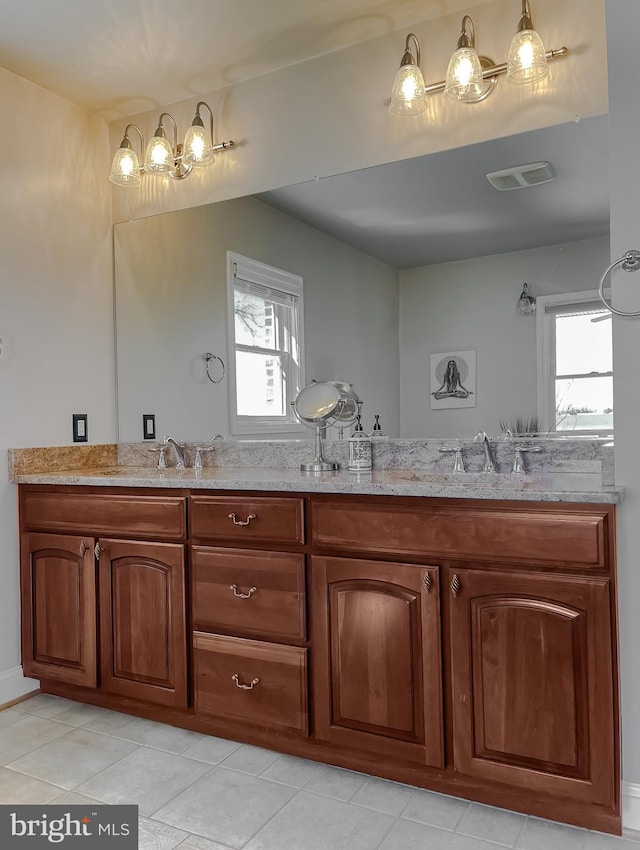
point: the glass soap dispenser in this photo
(359, 449)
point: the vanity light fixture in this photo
(471, 78)
(160, 157)
(526, 304)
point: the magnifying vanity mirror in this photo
(399, 263)
(320, 405)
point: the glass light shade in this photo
(464, 76)
(197, 149)
(125, 168)
(407, 95)
(526, 304)
(527, 61)
(159, 156)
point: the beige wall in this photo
(55, 300)
(171, 293)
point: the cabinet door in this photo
(143, 621)
(533, 688)
(377, 668)
(58, 578)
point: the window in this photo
(266, 349)
(575, 374)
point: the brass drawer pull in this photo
(456, 586)
(98, 550)
(427, 581)
(234, 587)
(83, 549)
(237, 521)
(250, 687)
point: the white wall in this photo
(330, 115)
(623, 25)
(470, 304)
(171, 298)
(55, 301)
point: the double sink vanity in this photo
(453, 631)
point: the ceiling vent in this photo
(521, 176)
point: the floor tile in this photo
(72, 798)
(26, 735)
(160, 736)
(17, 788)
(147, 778)
(226, 806)
(493, 824)
(45, 705)
(73, 758)
(250, 759)
(599, 841)
(92, 717)
(550, 836)
(292, 771)
(197, 843)
(383, 796)
(407, 835)
(9, 716)
(435, 809)
(310, 822)
(336, 782)
(158, 836)
(210, 749)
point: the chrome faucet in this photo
(489, 462)
(179, 450)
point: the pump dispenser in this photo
(359, 449)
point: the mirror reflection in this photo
(401, 266)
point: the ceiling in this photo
(121, 57)
(440, 207)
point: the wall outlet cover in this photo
(148, 426)
(80, 428)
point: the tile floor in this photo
(201, 793)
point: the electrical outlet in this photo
(80, 428)
(148, 426)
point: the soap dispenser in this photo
(377, 433)
(359, 449)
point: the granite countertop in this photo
(539, 487)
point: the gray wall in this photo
(471, 305)
(171, 307)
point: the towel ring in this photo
(629, 263)
(208, 358)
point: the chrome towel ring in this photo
(629, 263)
(208, 358)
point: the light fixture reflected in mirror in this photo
(471, 78)
(526, 304)
(527, 59)
(408, 95)
(161, 157)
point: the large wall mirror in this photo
(400, 263)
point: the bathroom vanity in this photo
(463, 644)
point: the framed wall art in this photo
(453, 379)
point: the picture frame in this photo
(453, 379)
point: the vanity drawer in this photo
(262, 519)
(556, 537)
(260, 683)
(255, 593)
(154, 517)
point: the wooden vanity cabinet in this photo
(377, 657)
(58, 591)
(248, 611)
(532, 682)
(134, 589)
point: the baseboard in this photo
(14, 685)
(630, 806)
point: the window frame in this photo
(260, 274)
(545, 343)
